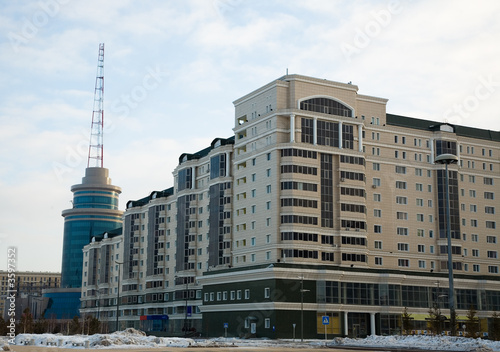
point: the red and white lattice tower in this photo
(96, 130)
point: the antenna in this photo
(96, 129)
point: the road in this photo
(177, 349)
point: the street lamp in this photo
(302, 307)
(118, 294)
(447, 159)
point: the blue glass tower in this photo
(95, 210)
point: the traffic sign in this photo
(326, 320)
(226, 325)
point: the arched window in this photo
(326, 106)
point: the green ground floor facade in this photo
(295, 301)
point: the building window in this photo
(400, 184)
(377, 213)
(401, 200)
(378, 260)
(378, 244)
(376, 197)
(491, 239)
(403, 247)
(238, 294)
(376, 167)
(493, 269)
(247, 294)
(403, 263)
(421, 264)
(402, 231)
(400, 169)
(402, 215)
(476, 268)
(377, 228)
(491, 225)
(267, 292)
(267, 323)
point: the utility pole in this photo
(118, 294)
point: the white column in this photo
(228, 168)
(431, 142)
(360, 138)
(193, 177)
(340, 134)
(315, 131)
(346, 325)
(292, 128)
(372, 323)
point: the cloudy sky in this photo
(173, 69)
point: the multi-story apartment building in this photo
(322, 205)
(28, 287)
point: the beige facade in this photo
(319, 185)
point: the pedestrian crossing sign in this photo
(326, 320)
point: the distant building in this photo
(321, 205)
(28, 291)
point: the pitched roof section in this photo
(204, 152)
(428, 125)
(153, 195)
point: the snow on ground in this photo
(132, 338)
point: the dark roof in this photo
(428, 125)
(204, 152)
(153, 195)
(111, 233)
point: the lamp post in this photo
(118, 294)
(302, 307)
(447, 159)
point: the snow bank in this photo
(429, 343)
(132, 338)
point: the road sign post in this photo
(326, 321)
(226, 325)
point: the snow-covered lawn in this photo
(132, 338)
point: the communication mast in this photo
(96, 130)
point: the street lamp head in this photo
(446, 159)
